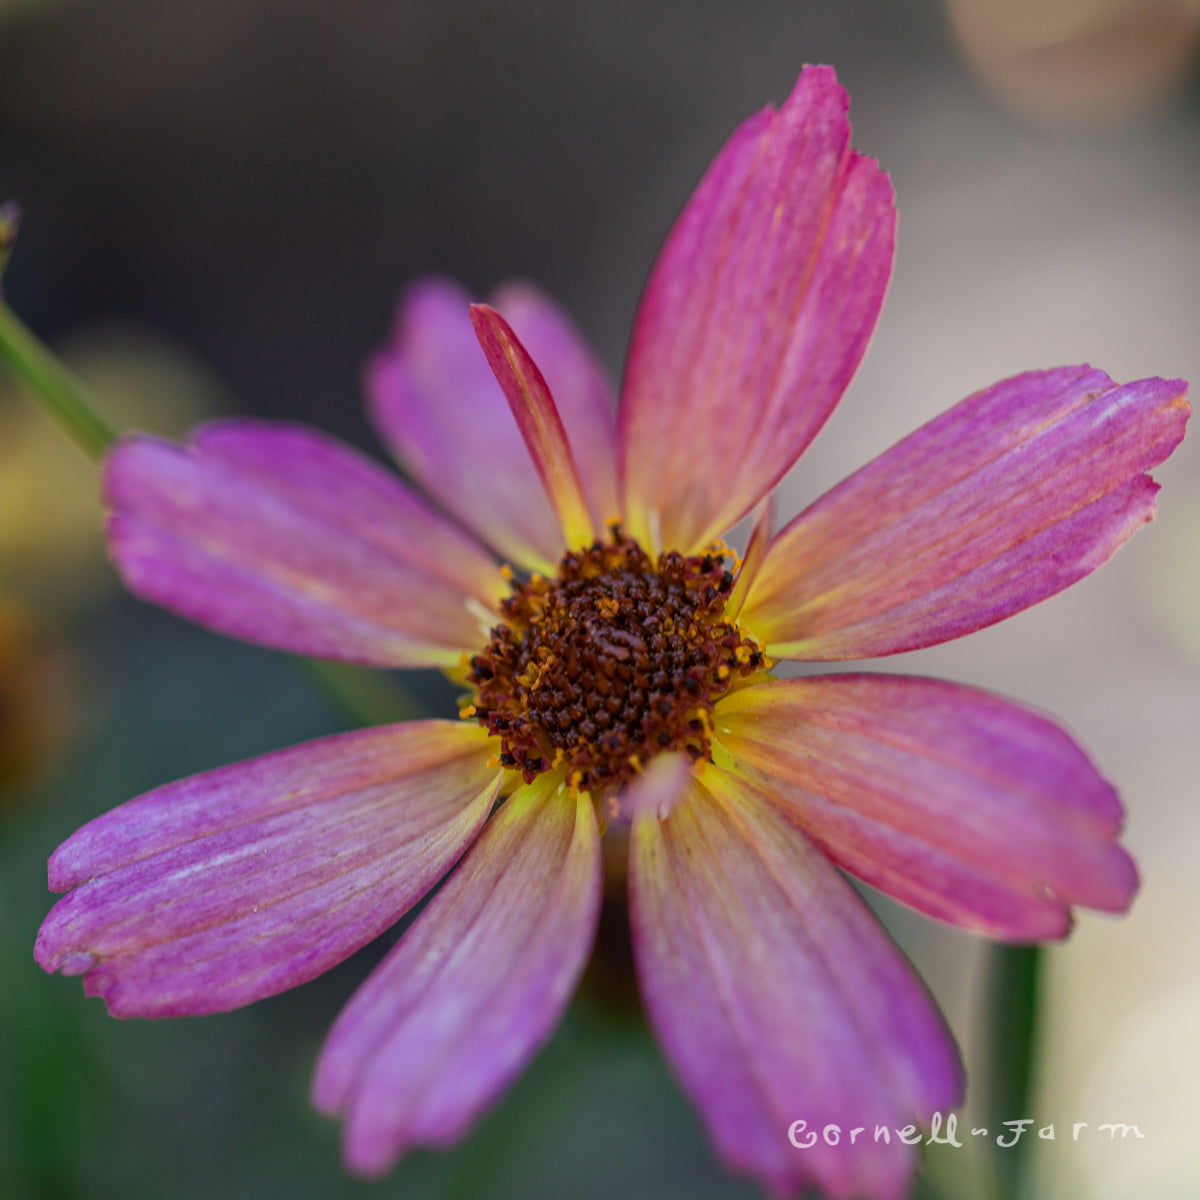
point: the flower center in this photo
(611, 661)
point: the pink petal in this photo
(232, 885)
(537, 418)
(437, 405)
(965, 806)
(1009, 497)
(339, 483)
(777, 998)
(282, 536)
(580, 387)
(470, 993)
(755, 317)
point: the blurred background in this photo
(222, 199)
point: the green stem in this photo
(1014, 991)
(52, 384)
(367, 696)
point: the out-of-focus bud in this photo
(36, 695)
(1089, 63)
(10, 222)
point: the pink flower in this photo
(629, 672)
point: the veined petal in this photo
(581, 389)
(333, 480)
(777, 998)
(437, 405)
(473, 989)
(282, 536)
(1009, 497)
(233, 885)
(966, 806)
(537, 418)
(754, 319)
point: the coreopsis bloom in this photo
(616, 659)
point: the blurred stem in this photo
(52, 384)
(1011, 1031)
(366, 695)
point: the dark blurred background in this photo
(221, 200)
(255, 179)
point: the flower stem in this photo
(52, 384)
(366, 696)
(1014, 977)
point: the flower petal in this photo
(232, 885)
(581, 388)
(343, 485)
(966, 806)
(473, 989)
(1009, 497)
(754, 319)
(777, 998)
(537, 418)
(282, 536)
(436, 403)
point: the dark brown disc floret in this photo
(613, 660)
